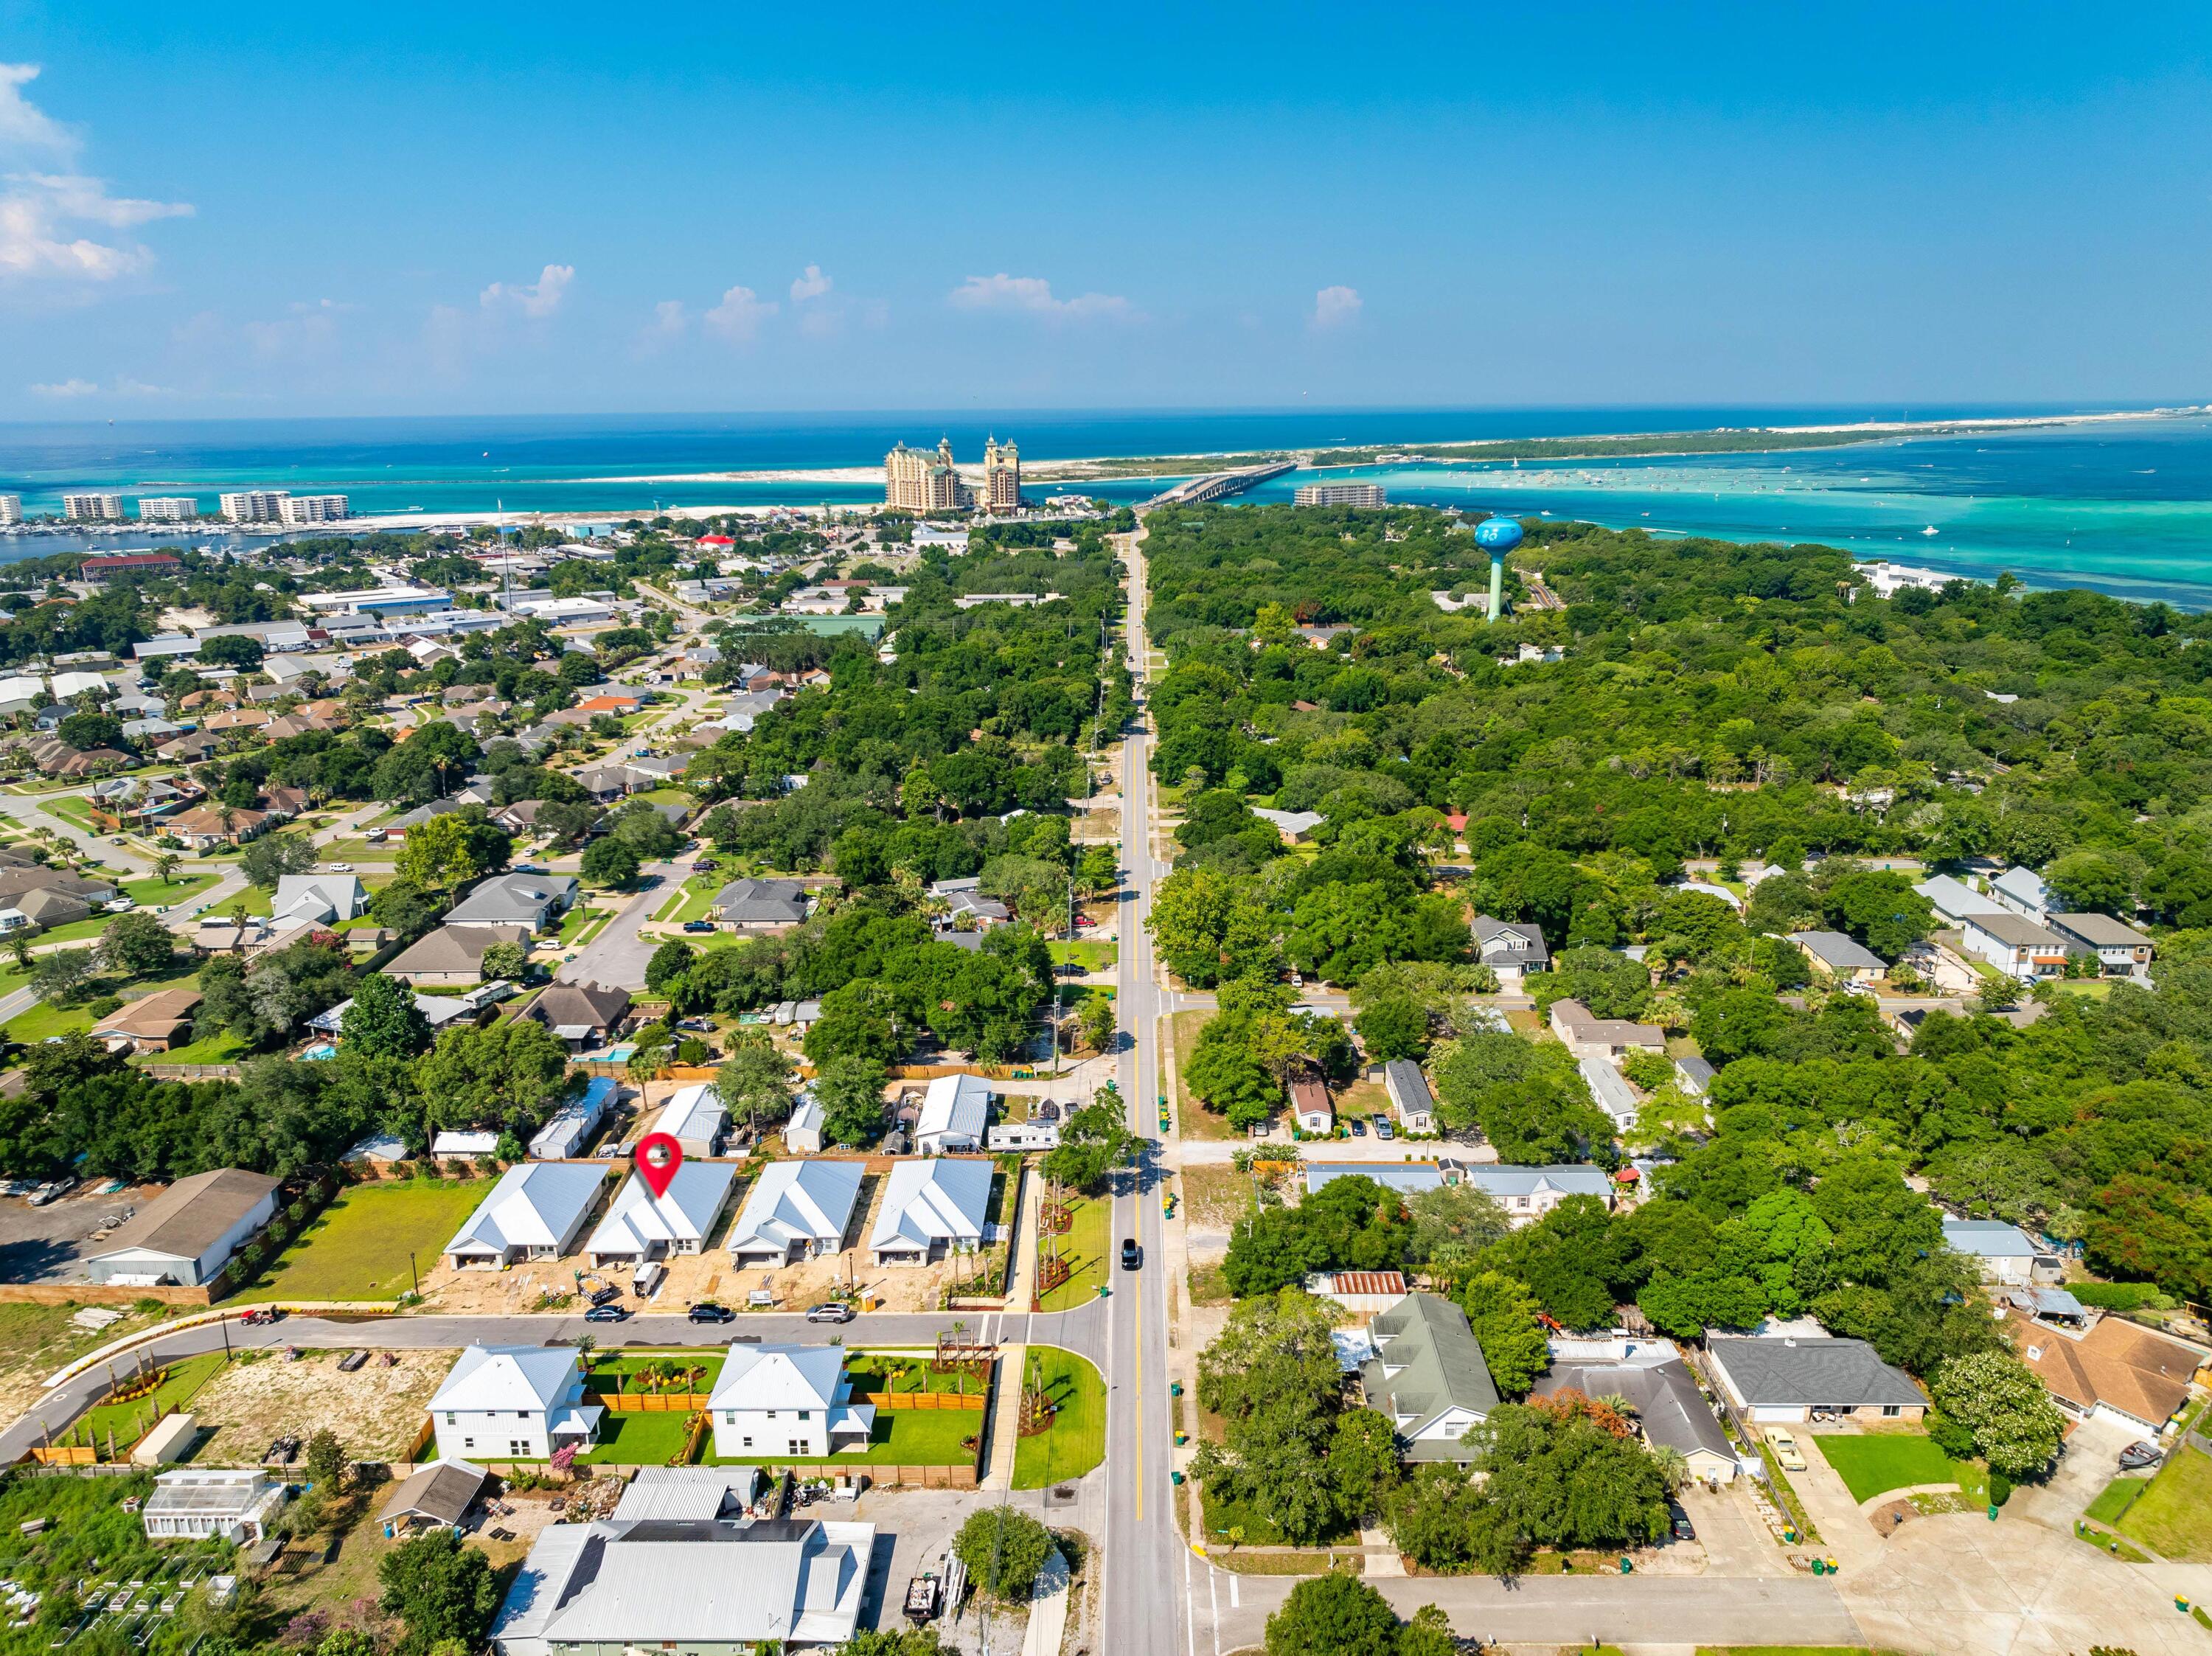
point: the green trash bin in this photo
(1626, 1567)
(1819, 1569)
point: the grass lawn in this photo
(668, 797)
(598, 921)
(1870, 1463)
(2119, 1494)
(1076, 1440)
(74, 809)
(691, 901)
(42, 1020)
(1091, 956)
(899, 1372)
(2174, 1516)
(129, 1420)
(153, 893)
(357, 1247)
(1086, 1248)
(905, 1437)
(611, 1373)
(1233, 1524)
(637, 1440)
(215, 1049)
(1192, 1118)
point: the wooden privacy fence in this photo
(897, 1400)
(647, 1402)
(65, 1457)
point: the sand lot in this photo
(376, 1410)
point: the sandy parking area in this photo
(376, 1410)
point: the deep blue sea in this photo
(2123, 506)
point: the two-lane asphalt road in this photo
(1147, 1566)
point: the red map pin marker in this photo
(659, 1155)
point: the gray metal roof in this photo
(1815, 1373)
(1838, 952)
(688, 1492)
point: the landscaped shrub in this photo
(2121, 1296)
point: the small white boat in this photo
(1930, 530)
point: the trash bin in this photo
(1819, 1569)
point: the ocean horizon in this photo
(2120, 506)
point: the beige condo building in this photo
(917, 480)
(1002, 476)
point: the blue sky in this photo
(259, 209)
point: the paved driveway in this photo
(618, 955)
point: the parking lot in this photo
(49, 1244)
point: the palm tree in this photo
(165, 866)
(19, 945)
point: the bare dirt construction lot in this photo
(376, 1410)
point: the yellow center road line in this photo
(1137, 1306)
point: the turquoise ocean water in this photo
(2123, 506)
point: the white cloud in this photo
(1334, 307)
(42, 209)
(307, 328)
(23, 124)
(809, 284)
(1032, 295)
(740, 314)
(70, 389)
(535, 300)
(668, 318)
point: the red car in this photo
(261, 1316)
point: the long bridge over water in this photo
(1218, 485)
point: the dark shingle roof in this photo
(1816, 1374)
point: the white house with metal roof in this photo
(2023, 892)
(696, 1117)
(1527, 1194)
(1611, 1090)
(931, 1208)
(536, 1211)
(1955, 901)
(513, 1403)
(639, 1225)
(2002, 1253)
(796, 1210)
(773, 1402)
(955, 1112)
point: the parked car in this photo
(261, 1316)
(2140, 1454)
(698, 925)
(606, 1295)
(1084, 923)
(1132, 1255)
(1382, 1127)
(607, 1313)
(832, 1311)
(1785, 1449)
(52, 1191)
(1682, 1529)
(1358, 1127)
(707, 1311)
(341, 868)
